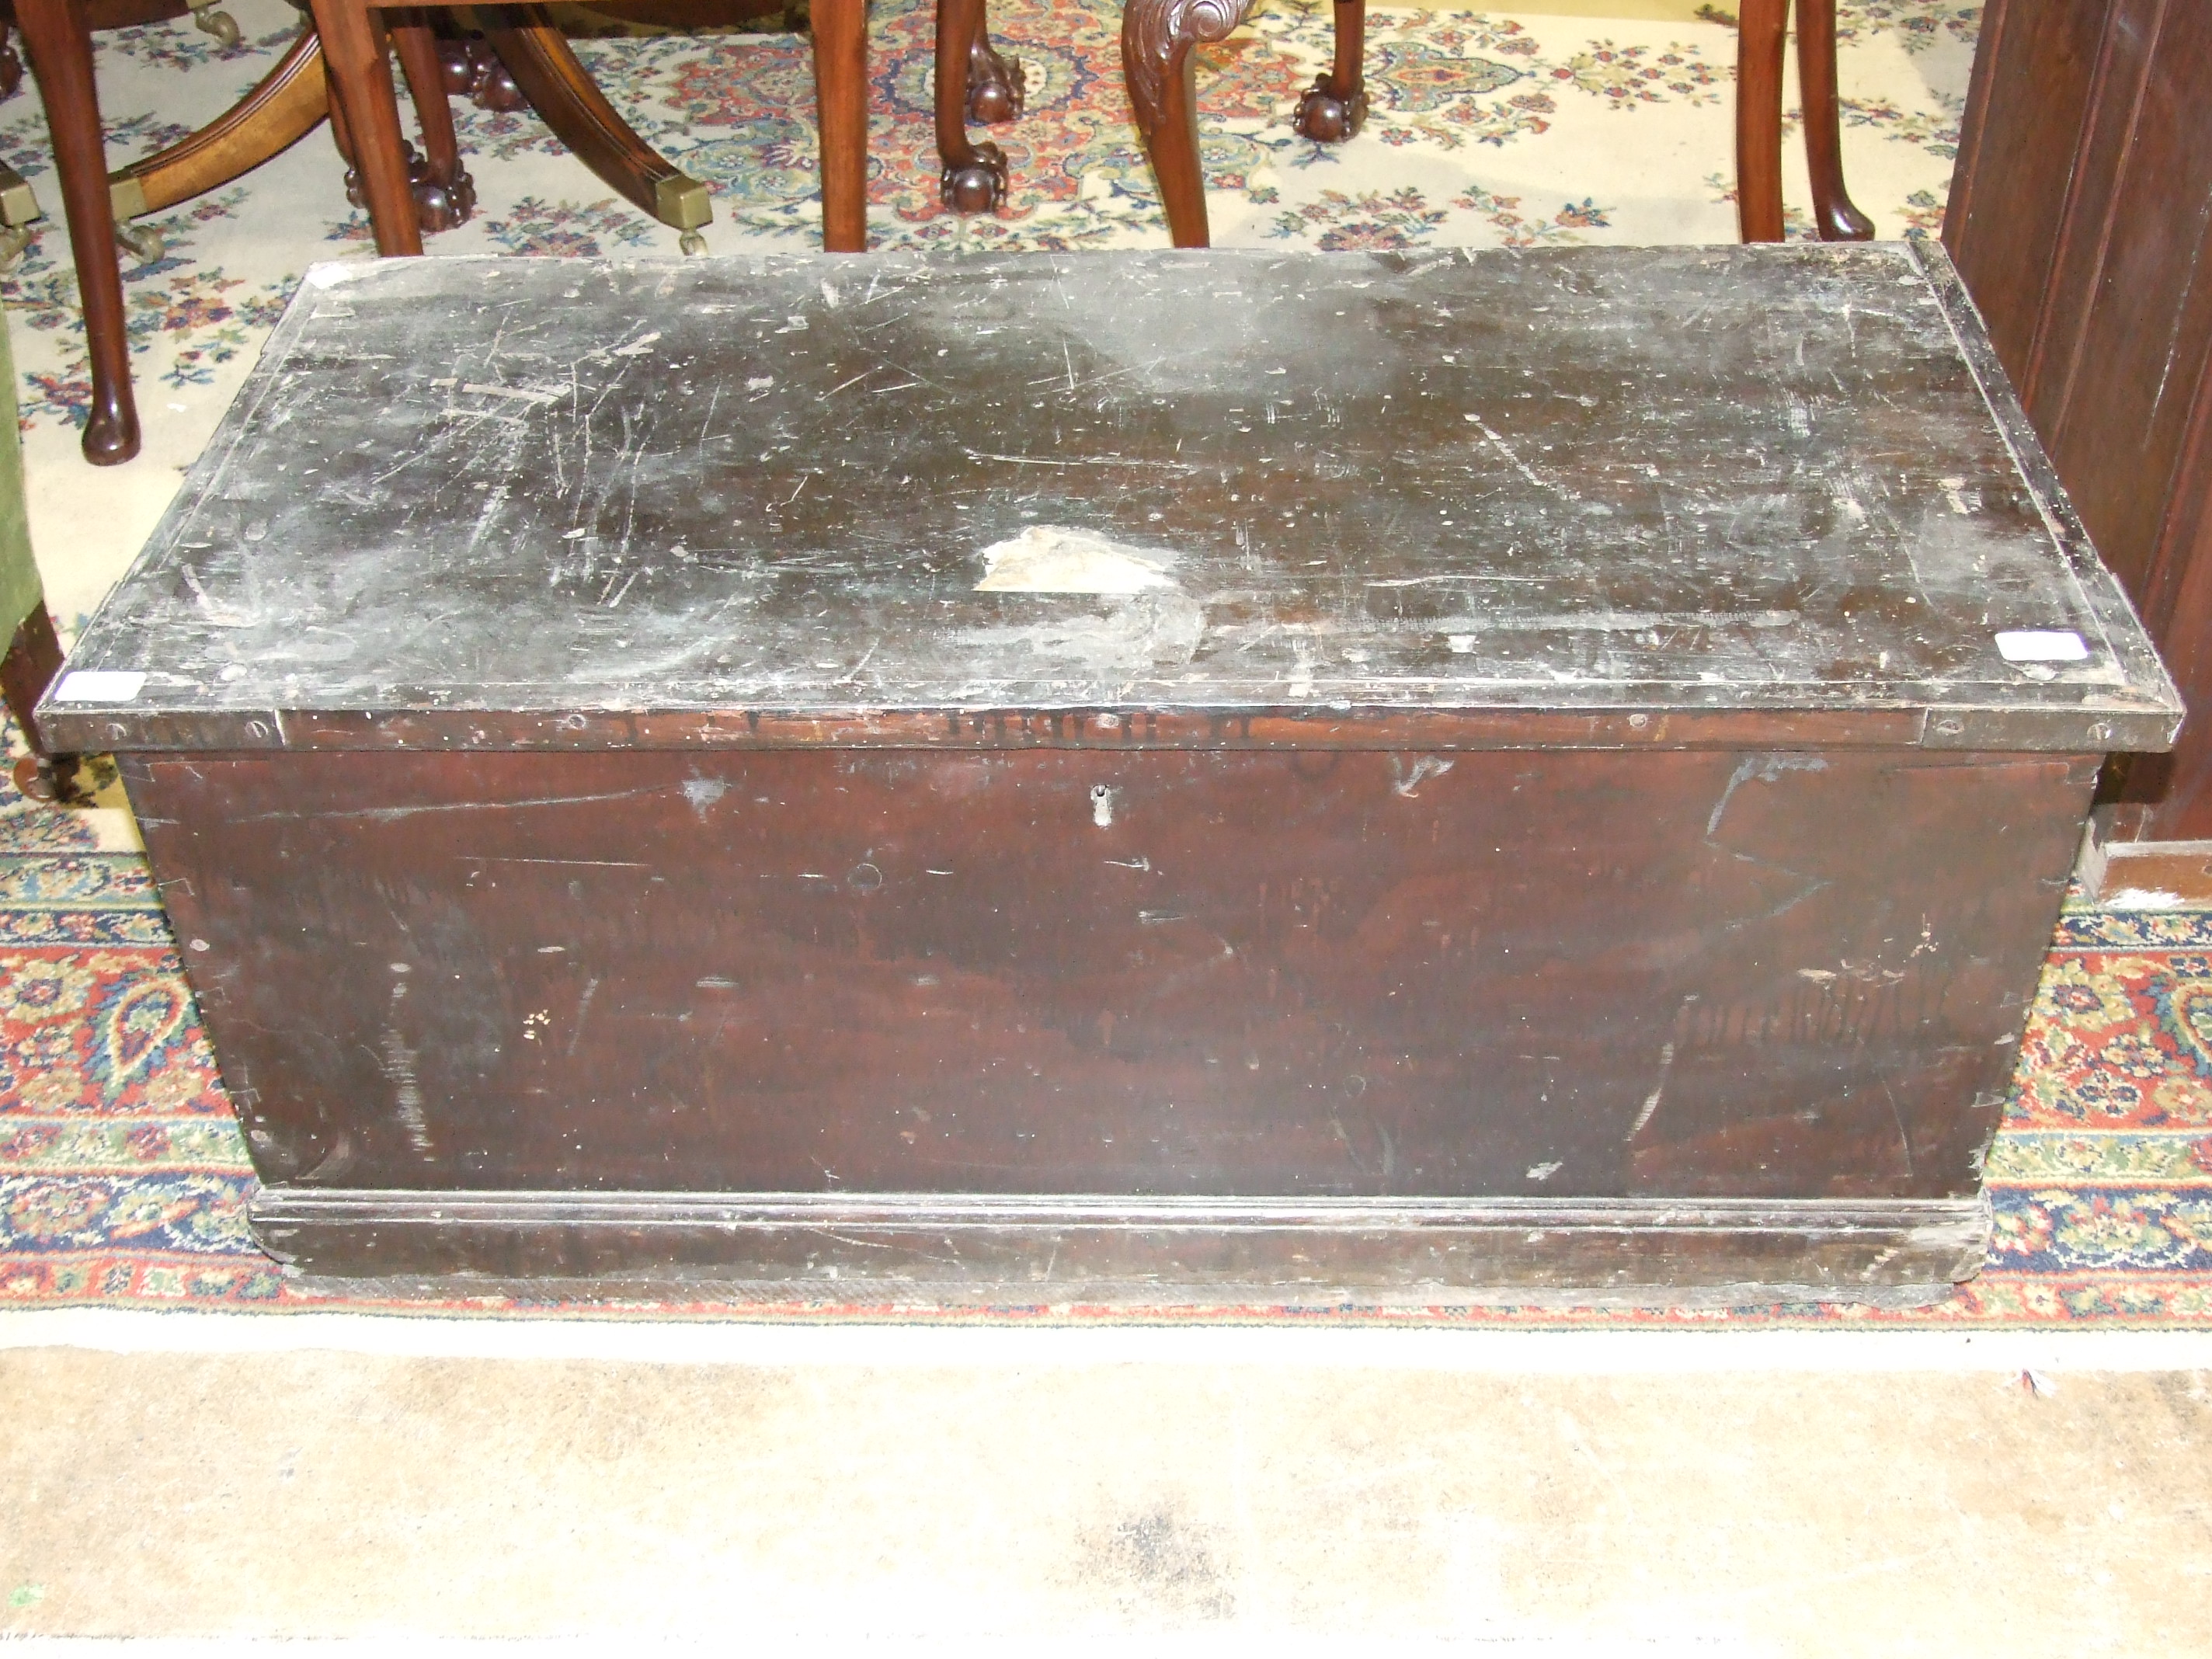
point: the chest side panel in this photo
(1198, 973)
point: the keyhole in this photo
(1102, 805)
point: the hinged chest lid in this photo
(1642, 496)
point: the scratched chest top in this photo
(1227, 484)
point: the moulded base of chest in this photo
(1122, 1024)
(931, 1249)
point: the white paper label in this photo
(2035, 646)
(99, 685)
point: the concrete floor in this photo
(346, 1494)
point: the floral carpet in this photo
(123, 1178)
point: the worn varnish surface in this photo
(1343, 975)
(1716, 483)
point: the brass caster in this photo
(220, 24)
(691, 242)
(14, 239)
(144, 242)
(62, 779)
(34, 780)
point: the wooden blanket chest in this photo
(1433, 776)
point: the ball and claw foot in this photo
(996, 86)
(440, 203)
(977, 186)
(473, 70)
(1327, 117)
(691, 242)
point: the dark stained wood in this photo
(2079, 220)
(1344, 492)
(974, 177)
(280, 109)
(537, 59)
(997, 85)
(473, 70)
(445, 195)
(61, 51)
(1537, 805)
(1350, 976)
(1157, 36)
(1837, 218)
(1761, 30)
(1528, 1252)
(1335, 107)
(841, 87)
(362, 91)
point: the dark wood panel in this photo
(2009, 196)
(2079, 222)
(2119, 399)
(1780, 975)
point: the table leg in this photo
(974, 179)
(536, 55)
(283, 108)
(1833, 209)
(1156, 39)
(996, 85)
(445, 195)
(61, 53)
(1760, 30)
(361, 77)
(1334, 107)
(841, 93)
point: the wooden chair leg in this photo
(445, 195)
(996, 85)
(61, 52)
(280, 111)
(1833, 209)
(1335, 105)
(1759, 28)
(974, 176)
(1157, 36)
(536, 55)
(361, 77)
(841, 90)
